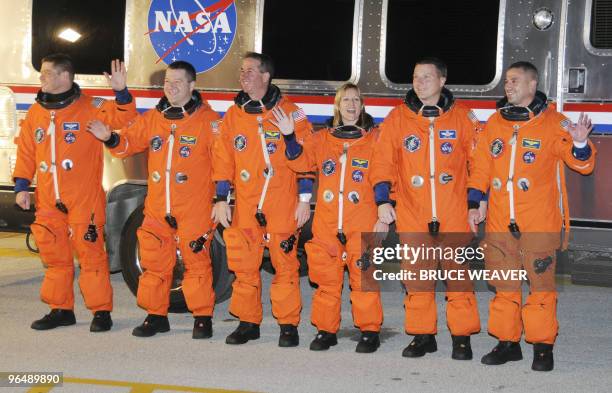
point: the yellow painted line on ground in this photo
(135, 386)
(37, 389)
(16, 253)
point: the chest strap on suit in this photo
(169, 218)
(434, 225)
(51, 132)
(268, 173)
(343, 159)
(513, 226)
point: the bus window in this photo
(601, 24)
(461, 33)
(90, 32)
(309, 40)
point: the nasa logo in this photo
(357, 176)
(446, 148)
(271, 146)
(70, 138)
(200, 32)
(412, 143)
(185, 151)
(529, 157)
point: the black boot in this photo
(323, 340)
(244, 332)
(289, 336)
(57, 317)
(542, 357)
(152, 325)
(420, 345)
(462, 350)
(368, 343)
(101, 322)
(504, 351)
(202, 327)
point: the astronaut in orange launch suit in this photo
(341, 154)
(519, 159)
(179, 135)
(70, 201)
(424, 152)
(250, 157)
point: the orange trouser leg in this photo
(366, 305)
(502, 253)
(327, 272)
(462, 313)
(540, 309)
(285, 288)
(505, 316)
(157, 256)
(94, 278)
(244, 252)
(540, 317)
(198, 277)
(420, 301)
(421, 313)
(51, 234)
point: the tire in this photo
(31, 242)
(131, 269)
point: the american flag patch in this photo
(214, 125)
(298, 115)
(98, 102)
(565, 124)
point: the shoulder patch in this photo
(97, 102)
(565, 123)
(214, 126)
(298, 115)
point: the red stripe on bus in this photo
(322, 99)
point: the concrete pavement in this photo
(118, 362)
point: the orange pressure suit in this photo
(180, 191)
(239, 158)
(327, 256)
(403, 157)
(55, 145)
(537, 184)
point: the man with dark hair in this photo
(250, 155)
(178, 135)
(423, 152)
(70, 201)
(439, 64)
(190, 72)
(519, 158)
(527, 67)
(61, 62)
(266, 64)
